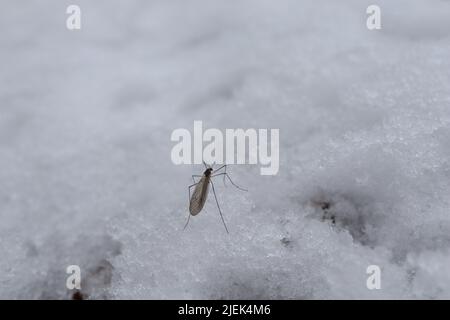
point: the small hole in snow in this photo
(355, 213)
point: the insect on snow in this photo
(198, 199)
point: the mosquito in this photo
(198, 199)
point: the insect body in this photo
(198, 199)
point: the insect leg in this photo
(224, 176)
(195, 176)
(228, 176)
(224, 166)
(189, 189)
(187, 222)
(217, 202)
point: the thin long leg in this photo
(189, 216)
(187, 222)
(224, 176)
(206, 166)
(217, 202)
(228, 176)
(189, 188)
(224, 166)
(195, 176)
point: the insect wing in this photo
(198, 198)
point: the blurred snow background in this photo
(85, 170)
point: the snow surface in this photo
(86, 176)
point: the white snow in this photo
(85, 170)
